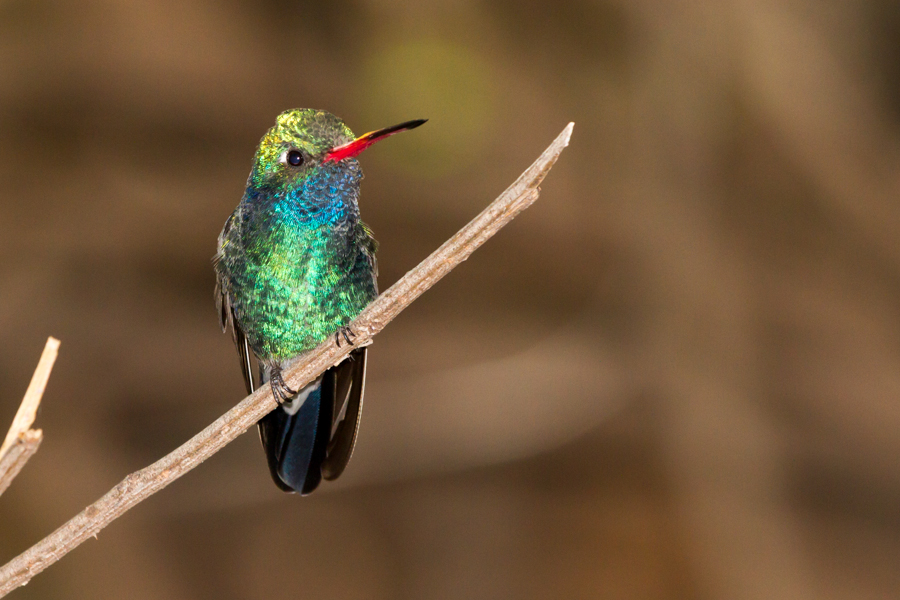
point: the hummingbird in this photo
(294, 266)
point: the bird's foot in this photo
(346, 333)
(281, 390)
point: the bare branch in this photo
(141, 484)
(22, 442)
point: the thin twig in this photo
(21, 441)
(28, 409)
(141, 484)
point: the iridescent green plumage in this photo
(296, 264)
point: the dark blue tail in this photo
(295, 436)
(313, 434)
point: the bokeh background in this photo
(676, 376)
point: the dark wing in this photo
(243, 348)
(226, 320)
(350, 385)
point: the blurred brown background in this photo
(677, 376)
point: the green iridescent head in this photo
(296, 145)
(304, 140)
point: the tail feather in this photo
(313, 434)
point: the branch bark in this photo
(22, 442)
(15, 457)
(141, 484)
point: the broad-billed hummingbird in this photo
(295, 265)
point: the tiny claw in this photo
(282, 392)
(347, 333)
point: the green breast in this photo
(292, 286)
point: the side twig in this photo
(21, 441)
(141, 484)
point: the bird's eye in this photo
(294, 158)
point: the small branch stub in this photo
(141, 484)
(21, 441)
(28, 409)
(17, 455)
